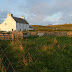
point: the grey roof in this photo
(20, 20)
(30, 27)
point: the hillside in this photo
(64, 27)
(40, 54)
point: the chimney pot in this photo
(10, 14)
(23, 17)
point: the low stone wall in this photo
(19, 35)
(69, 33)
(33, 33)
(12, 36)
(56, 33)
(1, 37)
(60, 33)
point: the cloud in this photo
(51, 11)
(55, 17)
(3, 15)
(41, 11)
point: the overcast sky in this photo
(40, 12)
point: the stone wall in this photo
(60, 33)
(12, 36)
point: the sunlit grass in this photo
(64, 27)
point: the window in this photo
(20, 29)
(12, 29)
(5, 24)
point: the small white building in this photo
(12, 23)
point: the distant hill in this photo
(64, 27)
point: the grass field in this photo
(64, 27)
(40, 54)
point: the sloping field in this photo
(40, 54)
(65, 27)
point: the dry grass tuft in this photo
(17, 45)
(44, 48)
(48, 49)
(30, 59)
(59, 46)
(51, 47)
(64, 46)
(55, 41)
(25, 62)
(21, 47)
(48, 53)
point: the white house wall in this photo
(8, 24)
(22, 26)
(31, 29)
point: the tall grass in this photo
(44, 54)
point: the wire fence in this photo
(5, 61)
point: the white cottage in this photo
(12, 23)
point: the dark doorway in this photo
(12, 29)
(20, 29)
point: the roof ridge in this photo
(20, 20)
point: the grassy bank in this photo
(65, 27)
(40, 54)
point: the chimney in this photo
(22, 17)
(10, 15)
